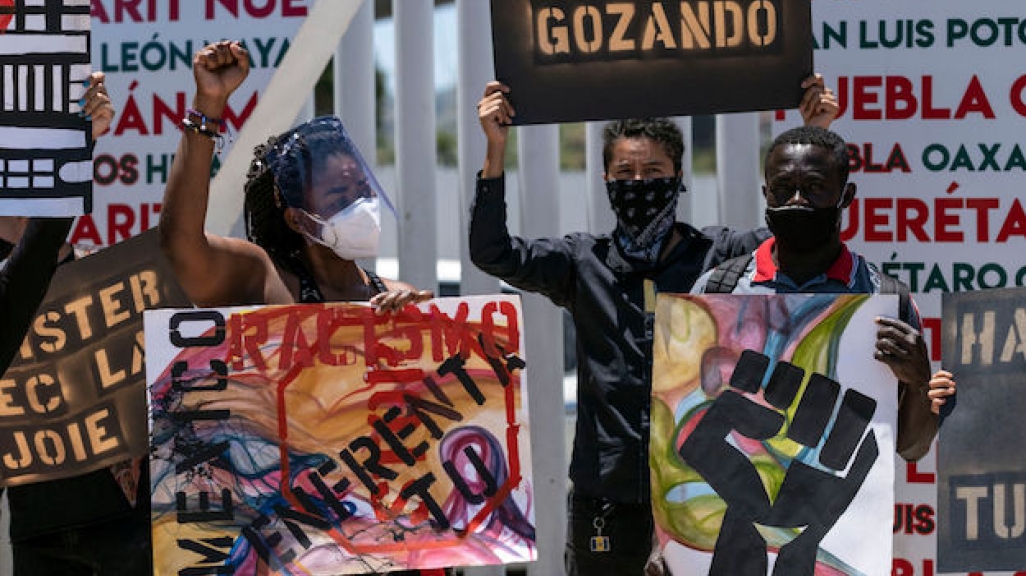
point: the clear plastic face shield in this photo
(319, 171)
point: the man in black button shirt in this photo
(608, 284)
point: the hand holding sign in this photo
(495, 114)
(808, 498)
(819, 105)
(98, 107)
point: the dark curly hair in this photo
(662, 130)
(815, 136)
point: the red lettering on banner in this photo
(982, 206)
(862, 97)
(1016, 96)
(875, 220)
(944, 219)
(912, 216)
(914, 519)
(954, 220)
(123, 222)
(975, 101)
(161, 112)
(902, 567)
(860, 159)
(237, 120)
(131, 9)
(256, 8)
(97, 10)
(932, 335)
(120, 221)
(133, 118)
(901, 101)
(108, 169)
(1015, 224)
(86, 232)
(914, 476)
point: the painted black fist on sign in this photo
(809, 498)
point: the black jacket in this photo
(25, 279)
(45, 507)
(605, 295)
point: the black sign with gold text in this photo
(981, 484)
(74, 399)
(574, 60)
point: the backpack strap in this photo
(724, 278)
(891, 285)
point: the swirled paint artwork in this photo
(328, 439)
(772, 438)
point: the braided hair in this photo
(264, 212)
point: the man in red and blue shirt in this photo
(806, 191)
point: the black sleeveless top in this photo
(309, 293)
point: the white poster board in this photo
(933, 99)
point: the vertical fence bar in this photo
(737, 168)
(475, 70)
(538, 150)
(354, 82)
(415, 152)
(600, 216)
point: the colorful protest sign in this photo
(573, 60)
(329, 439)
(45, 147)
(146, 50)
(932, 110)
(981, 490)
(772, 434)
(74, 399)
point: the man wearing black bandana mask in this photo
(608, 284)
(806, 191)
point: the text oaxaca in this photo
(575, 31)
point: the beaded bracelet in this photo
(190, 125)
(204, 119)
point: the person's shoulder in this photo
(586, 240)
(700, 285)
(745, 240)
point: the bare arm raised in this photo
(212, 270)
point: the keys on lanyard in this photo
(600, 543)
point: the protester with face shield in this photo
(312, 207)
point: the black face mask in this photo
(639, 204)
(801, 230)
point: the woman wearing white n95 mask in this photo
(310, 209)
(331, 197)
